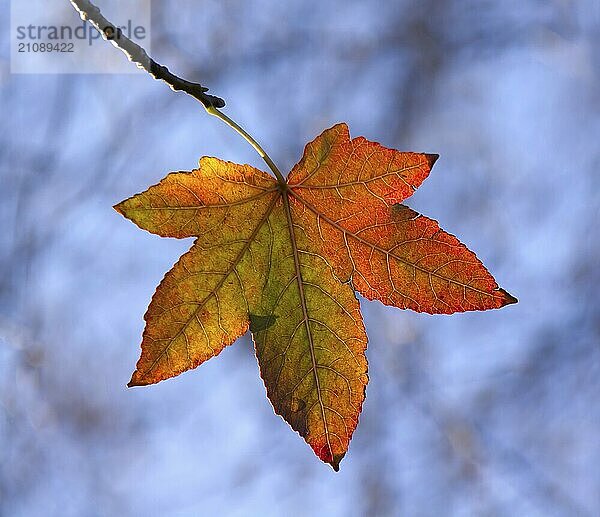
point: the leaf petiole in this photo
(215, 112)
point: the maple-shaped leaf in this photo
(285, 259)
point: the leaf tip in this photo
(326, 454)
(335, 462)
(119, 208)
(509, 299)
(259, 323)
(431, 159)
(136, 381)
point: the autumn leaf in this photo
(285, 261)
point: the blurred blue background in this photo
(477, 414)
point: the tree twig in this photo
(136, 54)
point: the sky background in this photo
(490, 413)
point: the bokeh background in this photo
(491, 413)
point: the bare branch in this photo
(136, 54)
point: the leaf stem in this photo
(136, 54)
(257, 147)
